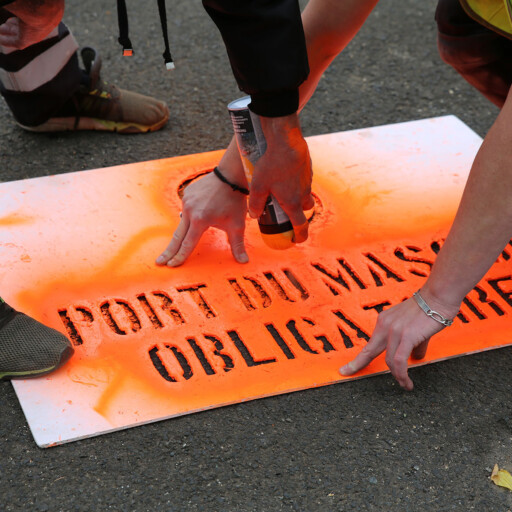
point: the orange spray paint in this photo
(153, 343)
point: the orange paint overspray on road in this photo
(153, 343)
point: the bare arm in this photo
(285, 169)
(329, 25)
(481, 229)
(483, 224)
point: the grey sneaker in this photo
(27, 347)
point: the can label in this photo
(273, 219)
(249, 135)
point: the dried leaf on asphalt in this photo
(501, 477)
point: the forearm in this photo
(231, 165)
(483, 224)
(329, 25)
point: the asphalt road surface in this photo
(363, 445)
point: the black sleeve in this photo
(266, 48)
(4, 16)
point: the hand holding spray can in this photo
(275, 226)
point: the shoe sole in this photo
(65, 356)
(67, 124)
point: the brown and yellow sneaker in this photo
(99, 105)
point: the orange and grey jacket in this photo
(38, 80)
(264, 40)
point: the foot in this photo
(27, 347)
(98, 105)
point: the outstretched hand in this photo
(402, 331)
(284, 171)
(10, 33)
(207, 202)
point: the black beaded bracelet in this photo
(235, 188)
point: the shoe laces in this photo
(92, 63)
(96, 97)
(124, 40)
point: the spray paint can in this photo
(275, 226)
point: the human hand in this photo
(10, 33)
(207, 202)
(31, 23)
(402, 331)
(283, 171)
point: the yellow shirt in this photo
(493, 14)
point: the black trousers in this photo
(481, 56)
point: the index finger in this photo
(188, 244)
(298, 219)
(370, 351)
(300, 233)
(175, 243)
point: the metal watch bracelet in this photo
(430, 312)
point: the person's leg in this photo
(27, 347)
(43, 85)
(480, 55)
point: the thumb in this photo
(308, 202)
(370, 351)
(420, 351)
(10, 33)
